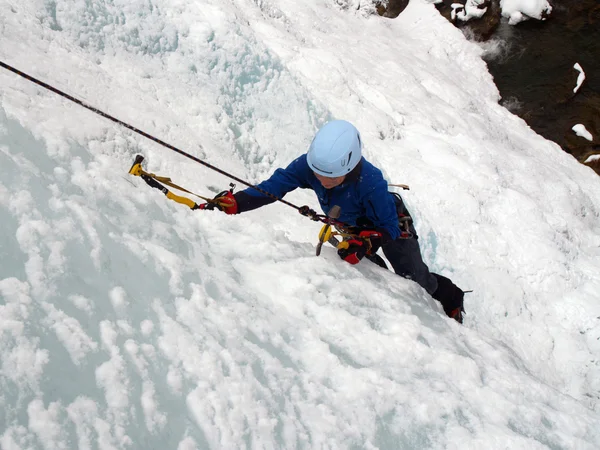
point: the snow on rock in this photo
(519, 10)
(580, 77)
(472, 9)
(580, 130)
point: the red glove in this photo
(225, 201)
(352, 250)
(355, 249)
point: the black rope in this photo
(138, 131)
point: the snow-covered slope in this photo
(128, 321)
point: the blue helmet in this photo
(335, 150)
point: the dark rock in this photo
(445, 8)
(481, 29)
(538, 71)
(484, 28)
(393, 8)
(594, 15)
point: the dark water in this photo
(536, 78)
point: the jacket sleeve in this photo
(381, 209)
(280, 183)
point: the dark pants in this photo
(405, 257)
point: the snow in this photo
(592, 158)
(129, 321)
(580, 77)
(518, 10)
(581, 130)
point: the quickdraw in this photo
(159, 183)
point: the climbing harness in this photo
(404, 220)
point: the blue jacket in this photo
(364, 195)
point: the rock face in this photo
(536, 76)
(539, 72)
